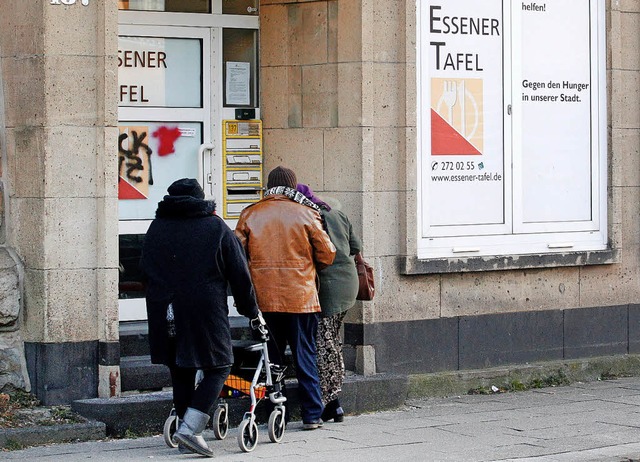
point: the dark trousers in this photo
(299, 332)
(202, 398)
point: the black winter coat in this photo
(189, 257)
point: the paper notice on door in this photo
(188, 132)
(238, 74)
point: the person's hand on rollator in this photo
(258, 324)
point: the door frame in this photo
(208, 27)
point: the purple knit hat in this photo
(308, 192)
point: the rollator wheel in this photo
(276, 425)
(220, 422)
(170, 428)
(247, 435)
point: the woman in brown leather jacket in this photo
(286, 244)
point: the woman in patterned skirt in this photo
(338, 290)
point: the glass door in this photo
(165, 132)
(184, 66)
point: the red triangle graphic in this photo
(446, 141)
(127, 191)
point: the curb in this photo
(17, 438)
(146, 412)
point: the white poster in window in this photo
(462, 113)
(159, 72)
(237, 83)
(552, 96)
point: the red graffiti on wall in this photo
(166, 139)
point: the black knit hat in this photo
(186, 187)
(281, 176)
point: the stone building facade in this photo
(341, 102)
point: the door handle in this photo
(204, 148)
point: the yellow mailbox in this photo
(242, 164)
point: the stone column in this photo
(60, 77)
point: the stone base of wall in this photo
(63, 372)
(477, 342)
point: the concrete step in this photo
(138, 374)
(147, 412)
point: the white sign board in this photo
(552, 82)
(463, 94)
(511, 126)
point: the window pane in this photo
(462, 132)
(239, 53)
(159, 72)
(554, 81)
(151, 156)
(173, 6)
(130, 281)
(240, 7)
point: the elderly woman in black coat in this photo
(189, 258)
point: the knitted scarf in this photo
(292, 194)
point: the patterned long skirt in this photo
(330, 360)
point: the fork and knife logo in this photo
(457, 116)
(455, 97)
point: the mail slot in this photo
(234, 209)
(243, 145)
(243, 176)
(244, 159)
(244, 193)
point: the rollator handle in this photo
(264, 332)
(257, 322)
(260, 325)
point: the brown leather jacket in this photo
(285, 244)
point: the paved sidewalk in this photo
(597, 421)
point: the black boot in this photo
(338, 416)
(333, 410)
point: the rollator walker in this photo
(266, 380)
